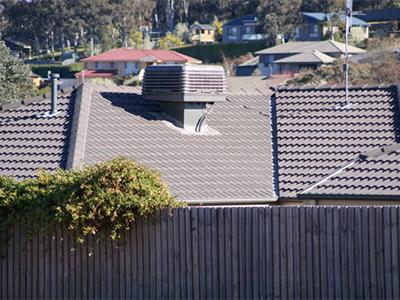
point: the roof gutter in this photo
(229, 201)
(352, 197)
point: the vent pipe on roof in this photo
(184, 91)
(53, 110)
(54, 86)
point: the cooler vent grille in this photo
(184, 79)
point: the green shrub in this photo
(64, 71)
(106, 197)
(213, 53)
(359, 74)
(44, 90)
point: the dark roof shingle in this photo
(29, 141)
(317, 133)
(231, 162)
(373, 175)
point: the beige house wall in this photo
(89, 65)
(80, 79)
(359, 33)
(203, 37)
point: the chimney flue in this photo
(54, 86)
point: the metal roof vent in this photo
(184, 91)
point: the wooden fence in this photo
(307, 252)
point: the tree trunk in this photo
(170, 14)
(52, 45)
(91, 46)
(62, 40)
(76, 39)
(186, 4)
(37, 45)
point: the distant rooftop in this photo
(320, 17)
(307, 57)
(127, 54)
(202, 27)
(242, 21)
(300, 47)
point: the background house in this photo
(242, 29)
(36, 79)
(202, 33)
(124, 62)
(314, 28)
(247, 68)
(382, 21)
(293, 56)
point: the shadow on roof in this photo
(134, 104)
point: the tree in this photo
(169, 41)
(279, 17)
(324, 6)
(15, 82)
(359, 73)
(182, 32)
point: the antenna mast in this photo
(349, 12)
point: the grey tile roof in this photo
(300, 47)
(29, 142)
(233, 161)
(307, 57)
(372, 175)
(202, 26)
(317, 135)
(242, 21)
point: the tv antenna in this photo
(349, 13)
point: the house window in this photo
(247, 30)
(313, 28)
(209, 31)
(202, 31)
(297, 32)
(131, 67)
(98, 65)
(232, 33)
(113, 65)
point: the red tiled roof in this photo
(125, 54)
(97, 73)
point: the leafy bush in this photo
(170, 40)
(377, 73)
(64, 71)
(43, 91)
(15, 81)
(106, 197)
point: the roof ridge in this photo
(335, 45)
(321, 87)
(79, 125)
